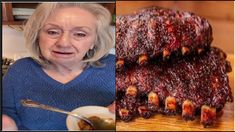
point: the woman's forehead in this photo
(68, 17)
(74, 28)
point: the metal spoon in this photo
(103, 124)
(31, 103)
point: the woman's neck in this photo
(64, 73)
(64, 69)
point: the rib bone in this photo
(124, 114)
(131, 91)
(144, 112)
(119, 63)
(153, 101)
(208, 115)
(200, 50)
(166, 53)
(184, 50)
(170, 103)
(143, 59)
(188, 110)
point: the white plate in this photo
(87, 111)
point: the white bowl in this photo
(87, 111)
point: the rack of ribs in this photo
(155, 32)
(189, 85)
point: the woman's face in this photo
(67, 35)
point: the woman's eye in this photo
(80, 34)
(52, 32)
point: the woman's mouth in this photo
(62, 54)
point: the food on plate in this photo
(84, 126)
(98, 122)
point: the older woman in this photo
(70, 65)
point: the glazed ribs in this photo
(155, 32)
(165, 64)
(189, 85)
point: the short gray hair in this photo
(104, 41)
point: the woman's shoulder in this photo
(110, 58)
(108, 61)
(107, 70)
(23, 62)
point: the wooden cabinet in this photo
(8, 17)
(7, 12)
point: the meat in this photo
(155, 32)
(177, 70)
(187, 85)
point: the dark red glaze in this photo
(201, 79)
(152, 30)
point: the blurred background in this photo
(219, 13)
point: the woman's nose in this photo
(64, 40)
